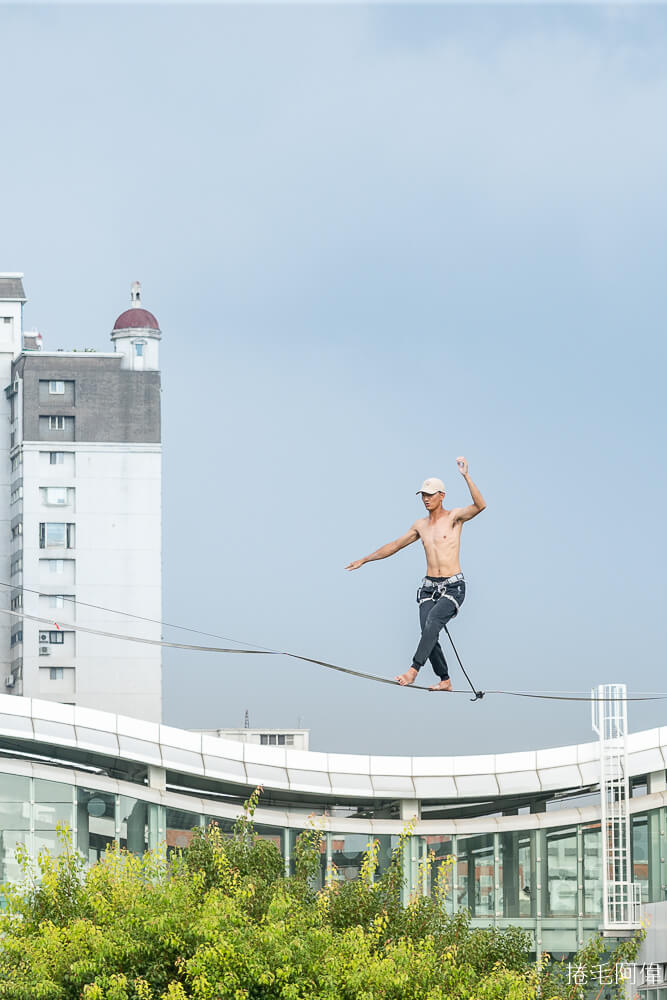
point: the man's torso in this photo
(441, 540)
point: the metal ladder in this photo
(621, 897)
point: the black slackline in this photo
(140, 618)
(309, 659)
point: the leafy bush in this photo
(221, 921)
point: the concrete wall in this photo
(109, 404)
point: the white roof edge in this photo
(556, 773)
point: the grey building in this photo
(83, 512)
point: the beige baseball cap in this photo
(431, 486)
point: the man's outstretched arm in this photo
(478, 502)
(388, 550)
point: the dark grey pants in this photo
(437, 606)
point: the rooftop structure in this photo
(524, 828)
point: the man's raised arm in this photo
(478, 502)
(389, 549)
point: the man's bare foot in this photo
(445, 685)
(409, 677)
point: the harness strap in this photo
(440, 592)
(455, 602)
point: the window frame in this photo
(69, 535)
(56, 503)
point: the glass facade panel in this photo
(560, 872)
(272, 833)
(516, 874)
(14, 802)
(48, 840)
(224, 825)
(592, 845)
(133, 824)
(49, 815)
(53, 806)
(9, 840)
(291, 838)
(347, 854)
(14, 788)
(386, 844)
(475, 874)
(180, 825)
(96, 822)
(640, 854)
(441, 870)
(52, 791)
(14, 815)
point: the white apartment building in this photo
(80, 513)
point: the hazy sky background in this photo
(375, 238)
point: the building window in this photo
(17, 494)
(17, 637)
(58, 600)
(57, 388)
(56, 673)
(56, 423)
(55, 496)
(17, 530)
(56, 638)
(56, 457)
(56, 565)
(559, 875)
(17, 602)
(6, 319)
(17, 461)
(139, 349)
(56, 533)
(17, 565)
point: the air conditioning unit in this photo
(44, 651)
(43, 636)
(10, 681)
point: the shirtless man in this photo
(443, 589)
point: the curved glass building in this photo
(523, 829)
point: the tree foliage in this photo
(221, 921)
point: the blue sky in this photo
(375, 238)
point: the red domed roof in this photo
(136, 319)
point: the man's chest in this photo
(439, 534)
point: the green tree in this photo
(221, 921)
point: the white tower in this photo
(136, 335)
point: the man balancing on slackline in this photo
(443, 589)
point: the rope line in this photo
(262, 651)
(478, 694)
